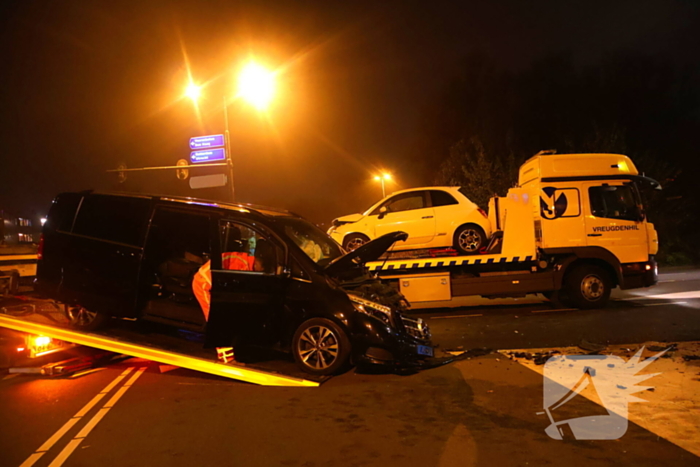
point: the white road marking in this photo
(454, 316)
(75, 442)
(70, 423)
(665, 303)
(679, 295)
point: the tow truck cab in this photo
(590, 205)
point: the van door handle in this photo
(427, 217)
(595, 235)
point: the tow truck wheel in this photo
(83, 319)
(320, 347)
(354, 241)
(588, 287)
(469, 239)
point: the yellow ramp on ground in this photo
(248, 375)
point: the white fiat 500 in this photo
(433, 217)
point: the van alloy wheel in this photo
(318, 347)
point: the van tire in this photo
(81, 319)
(588, 287)
(313, 345)
(469, 239)
(353, 241)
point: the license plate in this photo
(425, 350)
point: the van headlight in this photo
(367, 307)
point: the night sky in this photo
(87, 85)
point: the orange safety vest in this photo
(201, 284)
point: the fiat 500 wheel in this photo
(320, 347)
(354, 241)
(469, 239)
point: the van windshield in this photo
(313, 241)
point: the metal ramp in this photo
(35, 323)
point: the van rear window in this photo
(114, 218)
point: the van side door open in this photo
(248, 285)
(179, 243)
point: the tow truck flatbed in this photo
(52, 324)
(410, 264)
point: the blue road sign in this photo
(203, 142)
(209, 155)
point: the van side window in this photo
(178, 244)
(614, 202)
(244, 248)
(118, 219)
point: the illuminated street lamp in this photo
(382, 178)
(256, 85)
(193, 92)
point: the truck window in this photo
(441, 198)
(120, 219)
(614, 202)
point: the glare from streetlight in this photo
(193, 92)
(256, 85)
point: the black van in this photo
(131, 256)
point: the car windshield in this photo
(313, 241)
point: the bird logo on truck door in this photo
(559, 202)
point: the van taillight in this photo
(483, 213)
(40, 250)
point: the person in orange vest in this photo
(201, 286)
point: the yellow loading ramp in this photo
(248, 375)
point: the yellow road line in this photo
(75, 442)
(70, 423)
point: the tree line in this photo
(490, 120)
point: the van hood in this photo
(370, 251)
(349, 219)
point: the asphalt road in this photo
(482, 411)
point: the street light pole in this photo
(383, 192)
(227, 147)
